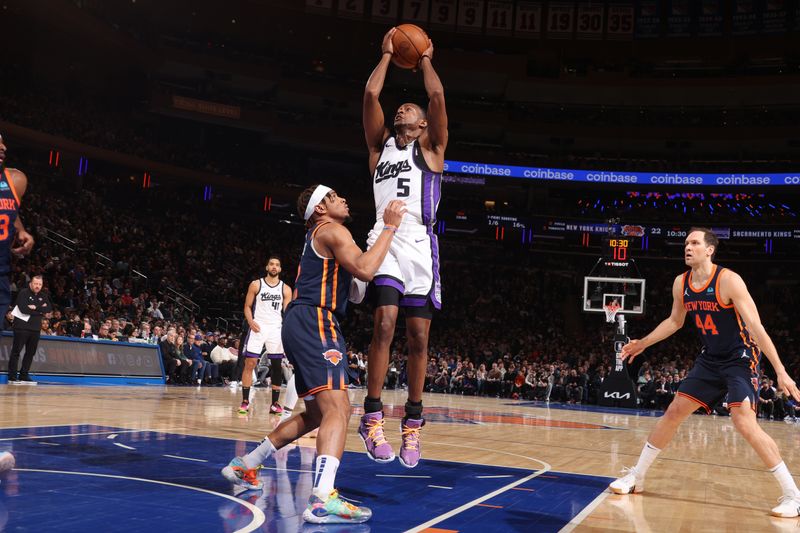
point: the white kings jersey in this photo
(268, 304)
(403, 174)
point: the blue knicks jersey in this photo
(321, 282)
(9, 208)
(721, 329)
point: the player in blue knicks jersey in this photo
(13, 184)
(406, 163)
(727, 321)
(314, 344)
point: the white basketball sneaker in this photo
(630, 483)
(788, 506)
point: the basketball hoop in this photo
(611, 312)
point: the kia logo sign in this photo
(617, 395)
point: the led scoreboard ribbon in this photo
(546, 226)
(612, 177)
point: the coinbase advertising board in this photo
(66, 356)
(621, 177)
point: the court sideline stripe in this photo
(185, 458)
(481, 499)
(258, 514)
(473, 503)
(32, 437)
(580, 517)
(54, 426)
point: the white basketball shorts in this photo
(412, 264)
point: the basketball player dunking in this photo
(264, 304)
(405, 165)
(719, 304)
(316, 348)
(13, 184)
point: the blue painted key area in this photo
(94, 478)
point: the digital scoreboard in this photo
(617, 251)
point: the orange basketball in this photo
(409, 43)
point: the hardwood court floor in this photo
(708, 479)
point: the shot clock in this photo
(616, 251)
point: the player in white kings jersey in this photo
(264, 304)
(406, 164)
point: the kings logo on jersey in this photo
(388, 170)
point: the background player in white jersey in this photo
(406, 165)
(266, 300)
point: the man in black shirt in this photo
(766, 400)
(34, 304)
(177, 370)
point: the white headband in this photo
(319, 194)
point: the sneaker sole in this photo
(400, 459)
(311, 518)
(229, 474)
(633, 490)
(779, 515)
(382, 461)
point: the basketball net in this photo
(611, 312)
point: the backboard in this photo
(601, 291)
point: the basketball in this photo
(409, 43)
(7, 461)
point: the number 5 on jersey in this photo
(403, 189)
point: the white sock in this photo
(325, 475)
(260, 454)
(649, 454)
(285, 415)
(289, 401)
(781, 473)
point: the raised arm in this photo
(732, 286)
(437, 113)
(336, 240)
(666, 328)
(375, 131)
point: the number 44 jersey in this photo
(720, 326)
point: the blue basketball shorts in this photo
(314, 344)
(712, 377)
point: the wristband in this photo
(391, 228)
(387, 52)
(423, 56)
